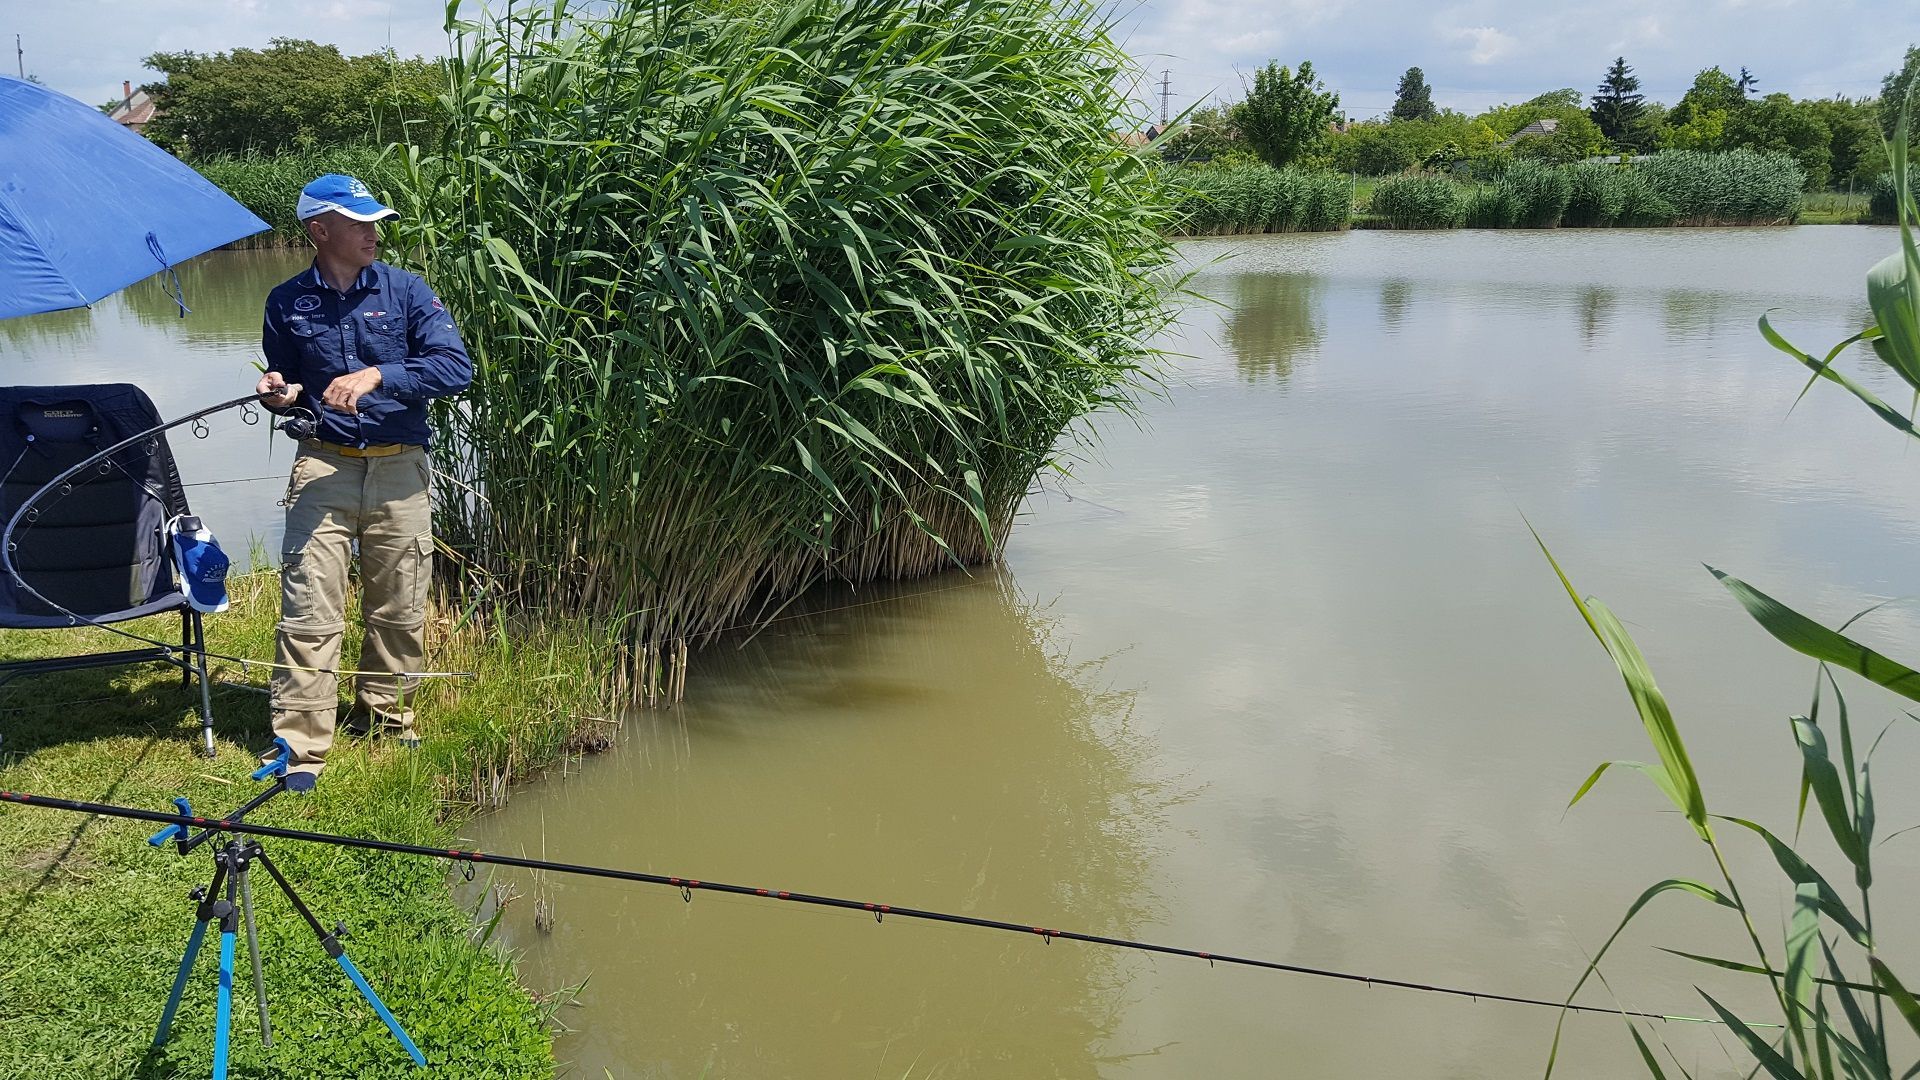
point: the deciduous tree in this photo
(292, 94)
(1895, 87)
(1286, 113)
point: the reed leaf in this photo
(1803, 635)
(1802, 873)
(1675, 775)
(1819, 774)
(1770, 1059)
(1897, 992)
(1680, 885)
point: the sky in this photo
(1475, 53)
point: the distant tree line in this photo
(293, 95)
(1288, 118)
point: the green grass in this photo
(1834, 208)
(92, 920)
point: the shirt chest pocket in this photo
(384, 337)
(319, 345)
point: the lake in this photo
(1277, 671)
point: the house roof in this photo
(1538, 127)
(135, 111)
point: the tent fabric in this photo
(88, 207)
(99, 549)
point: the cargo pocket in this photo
(306, 605)
(396, 593)
(422, 574)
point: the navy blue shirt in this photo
(389, 320)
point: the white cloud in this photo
(1489, 43)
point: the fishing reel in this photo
(298, 424)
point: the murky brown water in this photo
(1279, 673)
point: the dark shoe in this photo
(300, 783)
(358, 723)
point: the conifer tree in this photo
(1618, 104)
(1414, 100)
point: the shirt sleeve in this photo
(437, 364)
(277, 347)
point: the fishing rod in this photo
(295, 426)
(688, 886)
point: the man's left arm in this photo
(436, 364)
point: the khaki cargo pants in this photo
(333, 500)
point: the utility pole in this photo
(19, 56)
(1165, 93)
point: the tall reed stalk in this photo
(763, 295)
(1842, 1012)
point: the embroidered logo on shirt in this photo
(436, 304)
(306, 303)
(373, 314)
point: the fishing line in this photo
(26, 511)
(688, 886)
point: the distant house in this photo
(1139, 138)
(135, 109)
(1538, 127)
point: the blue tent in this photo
(87, 207)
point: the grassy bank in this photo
(92, 920)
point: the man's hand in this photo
(275, 391)
(344, 393)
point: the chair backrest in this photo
(95, 545)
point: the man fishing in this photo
(364, 347)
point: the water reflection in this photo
(1597, 305)
(226, 297)
(936, 749)
(1396, 295)
(1275, 319)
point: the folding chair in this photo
(97, 544)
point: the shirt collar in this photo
(369, 279)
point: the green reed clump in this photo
(1732, 187)
(759, 297)
(1419, 201)
(1595, 195)
(1538, 193)
(269, 185)
(1524, 195)
(1258, 198)
(1882, 207)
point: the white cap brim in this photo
(312, 207)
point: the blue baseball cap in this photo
(343, 195)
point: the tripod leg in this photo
(331, 943)
(223, 1009)
(206, 690)
(253, 950)
(223, 1004)
(203, 914)
(180, 983)
(379, 1006)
